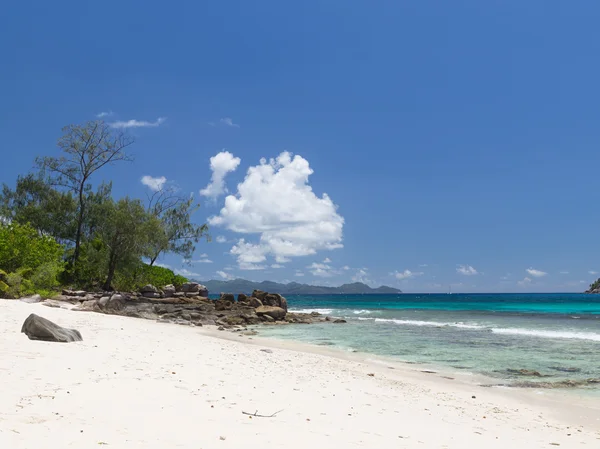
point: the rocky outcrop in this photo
(169, 291)
(271, 299)
(255, 302)
(38, 328)
(277, 313)
(194, 287)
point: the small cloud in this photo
(564, 272)
(225, 275)
(203, 261)
(406, 274)
(152, 183)
(221, 164)
(104, 114)
(321, 269)
(186, 273)
(276, 265)
(592, 272)
(327, 260)
(138, 123)
(423, 265)
(362, 276)
(466, 270)
(536, 273)
(248, 266)
(299, 274)
(221, 239)
(164, 265)
(525, 281)
(345, 267)
(227, 121)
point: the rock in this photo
(525, 372)
(32, 299)
(178, 294)
(116, 303)
(221, 305)
(255, 302)
(38, 328)
(234, 320)
(149, 289)
(277, 313)
(57, 304)
(242, 298)
(89, 306)
(154, 295)
(267, 318)
(268, 351)
(259, 294)
(194, 287)
(169, 291)
(80, 293)
(283, 303)
(339, 321)
(227, 297)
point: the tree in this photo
(86, 149)
(177, 234)
(125, 231)
(47, 210)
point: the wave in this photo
(321, 311)
(541, 333)
(362, 312)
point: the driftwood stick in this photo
(261, 416)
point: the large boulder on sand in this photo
(277, 313)
(38, 328)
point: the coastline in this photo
(138, 383)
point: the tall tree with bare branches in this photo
(85, 150)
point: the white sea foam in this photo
(541, 333)
(549, 334)
(362, 312)
(321, 311)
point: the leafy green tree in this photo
(85, 150)
(125, 231)
(178, 234)
(34, 201)
(22, 246)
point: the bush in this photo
(179, 280)
(21, 246)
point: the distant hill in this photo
(293, 288)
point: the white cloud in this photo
(321, 269)
(361, 276)
(187, 273)
(220, 164)
(299, 273)
(276, 202)
(466, 270)
(423, 265)
(221, 239)
(327, 260)
(138, 123)
(225, 275)
(525, 281)
(203, 261)
(592, 272)
(104, 114)
(536, 273)
(345, 267)
(407, 274)
(277, 265)
(152, 183)
(227, 121)
(164, 265)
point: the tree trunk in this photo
(79, 226)
(112, 265)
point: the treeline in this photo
(58, 229)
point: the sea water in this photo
(498, 335)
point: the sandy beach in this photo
(135, 383)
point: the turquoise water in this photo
(557, 335)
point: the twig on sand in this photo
(261, 416)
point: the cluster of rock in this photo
(593, 290)
(189, 305)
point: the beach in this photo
(134, 383)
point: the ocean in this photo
(519, 340)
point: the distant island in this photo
(293, 288)
(595, 287)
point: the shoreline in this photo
(174, 377)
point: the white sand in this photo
(139, 384)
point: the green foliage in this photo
(179, 280)
(45, 277)
(595, 285)
(21, 246)
(158, 276)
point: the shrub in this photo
(21, 246)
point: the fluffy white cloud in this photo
(299, 273)
(187, 273)
(138, 123)
(592, 272)
(536, 273)
(407, 274)
(321, 270)
(525, 281)
(277, 265)
(104, 114)
(220, 164)
(221, 239)
(228, 121)
(466, 270)
(327, 260)
(225, 275)
(362, 276)
(152, 183)
(345, 267)
(276, 202)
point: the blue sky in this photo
(458, 143)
